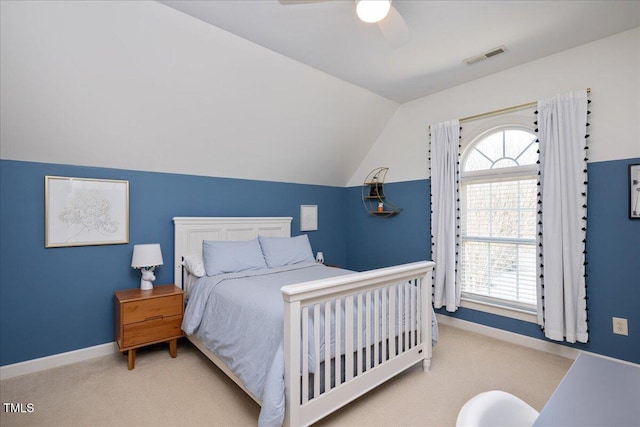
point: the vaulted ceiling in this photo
(327, 35)
(251, 89)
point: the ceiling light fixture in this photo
(372, 10)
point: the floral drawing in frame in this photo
(634, 191)
(86, 211)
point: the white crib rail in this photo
(378, 322)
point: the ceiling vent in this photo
(488, 54)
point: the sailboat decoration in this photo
(373, 196)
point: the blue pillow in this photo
(231, 256)
(281, 251)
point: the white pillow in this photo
(281, 251)
(194, 265)
(231, 256)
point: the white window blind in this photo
(498, 202)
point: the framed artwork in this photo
(634, 191)
(85, 211)
(308, 217)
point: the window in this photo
(498, 206)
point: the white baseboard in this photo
(523, 340)
(56, 360)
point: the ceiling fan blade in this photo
(394, 29)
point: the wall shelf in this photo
(384, 213)
(373, 196)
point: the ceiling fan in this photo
(382, 12)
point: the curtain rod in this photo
(503, 110)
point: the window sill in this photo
(499, 310)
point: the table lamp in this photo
(146, 257)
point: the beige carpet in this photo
(190, 391)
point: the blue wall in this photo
(374, 242)
(613, 254)
(61, 299)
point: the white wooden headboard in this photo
(189, 232)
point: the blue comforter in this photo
(223, 312)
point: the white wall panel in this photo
(138, 85)
(610, 67)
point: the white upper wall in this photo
(610, 67)
(138, 85)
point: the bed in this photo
(302, 339)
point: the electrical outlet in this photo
(620, 326)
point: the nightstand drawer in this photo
(140, 310)
(160, 328)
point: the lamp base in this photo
(146, 281)
(146, 285)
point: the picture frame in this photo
(85, 211)
(634, 191)
(308, 217)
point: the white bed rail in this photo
(379, 325)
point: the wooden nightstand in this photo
(148, 317)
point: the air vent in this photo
(488, 54)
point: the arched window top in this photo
(501, 148)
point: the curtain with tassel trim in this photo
(445, 213)
(562, 214)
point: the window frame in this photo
(470, 138)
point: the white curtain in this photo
(562, 128)
(445, 141)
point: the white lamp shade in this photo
(148, 255)
(372, 10)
